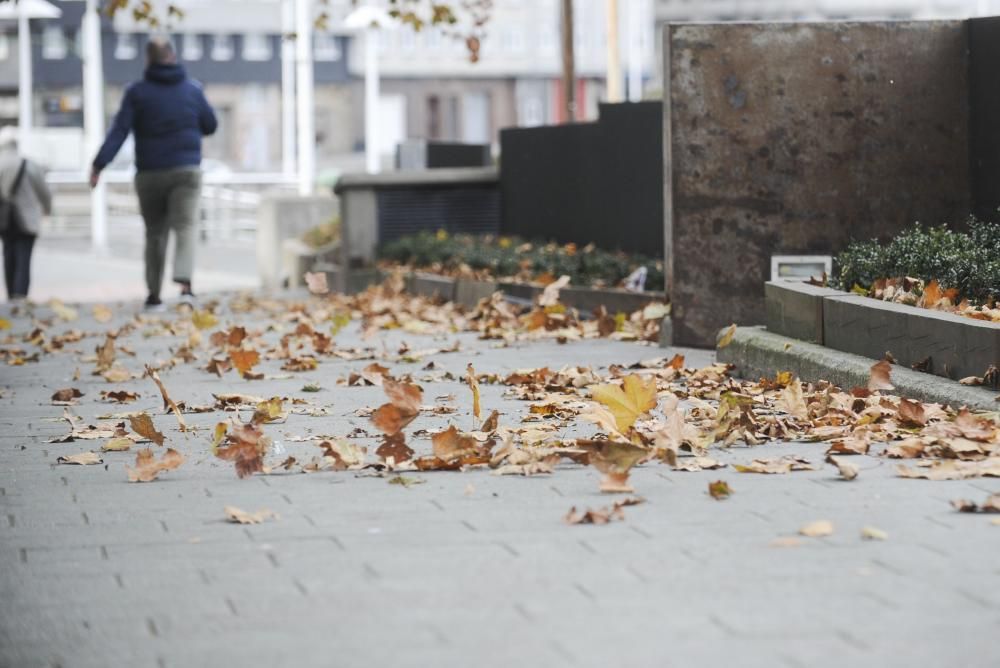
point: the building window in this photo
(53, 42)
(191, 47)
(125, 46)
(222, 47)
(256, 47)
(325, 47)
(4, 46)
(513, 40)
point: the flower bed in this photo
(514, 259)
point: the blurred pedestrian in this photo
(24, 199)
(168, 114)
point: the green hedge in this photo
(969, 261)
(512, 257)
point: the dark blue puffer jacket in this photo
(168, 113)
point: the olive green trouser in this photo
(168, 200)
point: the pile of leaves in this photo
(512, 258)
(935, 267)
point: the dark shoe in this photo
(187, 298)
(153, 305)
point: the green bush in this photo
(968, 261)
(511, 257)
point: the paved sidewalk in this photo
(68, 270)
(466, 568)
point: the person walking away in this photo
(168, 114)
(24, 199)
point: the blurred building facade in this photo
(430, 89)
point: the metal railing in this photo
(229, 204)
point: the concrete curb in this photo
(755, 352)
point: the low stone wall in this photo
(281, 217)
(469, 292)
(945, 344)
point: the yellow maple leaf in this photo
(629, 402)
(204, 319)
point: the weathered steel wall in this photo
(797, 138)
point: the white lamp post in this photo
(287, 88)
(305, 100)
(368, 19)
(93, 119)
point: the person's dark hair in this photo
(159, 51)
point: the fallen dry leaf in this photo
(792, 400)
(817, 529)
(406, 481)
(719, 490)
(167, 401)
(147, 467)
(102, 313)
(118, 444)
(879, 376)
(990, 505)
(345, 455)
(601, 515)
(726, 337)
(614, 460)
(395, 449)
(237, 516)
(142, 424)
(245, 446)
(784, 464)
(402, 409)
(450, 445)
(952, 469)
(244, 360)
(473, 381)
(66, 397)
(873, 533)
(82, 459)
(847, 470)
(119, 396)
(911, 412)
(204, 320)
(491, 423)
(627, 403)
(550, 294)
(316, 282)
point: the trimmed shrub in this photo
(968, 261)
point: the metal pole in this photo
(304, 99)
(25, 95)
(373, 160)
(93, 119)
(287, 88)
(569, 66)
(614, 75)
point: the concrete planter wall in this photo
(956, 346)
(431, 286)
(469, 291)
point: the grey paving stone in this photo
(466, 568)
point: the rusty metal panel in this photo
(796, 138)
